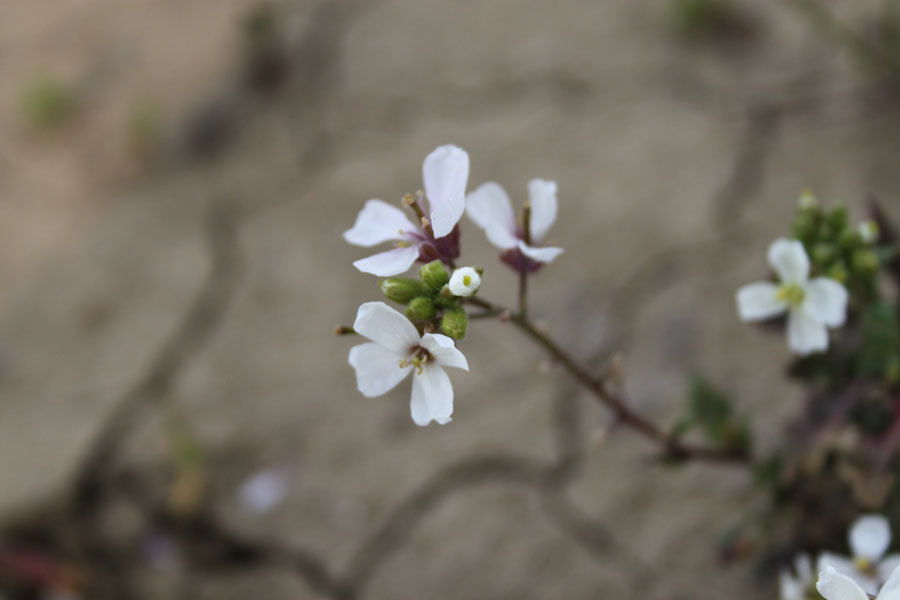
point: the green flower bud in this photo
(434, 275)
(421, 309)
(837, 271)
(865, 261)
(454, 323)
(837, 217)
(824, 253)
(850, 239)
(804, 227)
(402, 289)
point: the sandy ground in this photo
(677, 162)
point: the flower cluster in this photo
(869, 571)
(422, 339)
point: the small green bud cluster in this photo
(836, 248)
(430, 304)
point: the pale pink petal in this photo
(489, 207)
(806, 334)
(386, 327)
(389, 262)
(789, 260)
(759, 301)
(544, 255)
(432, 396)
(377, 368)
(444, 351)
(542, 197)
(446, 173)
(826, 300)
(379, 222)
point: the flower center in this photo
(419, 358)
(792, 293)
(467, 280)
(864, 565)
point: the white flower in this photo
(812, 305)
(465, 281)
(869, 539)
(794, 586)
(396, 351)
(445, 172)
(489, 207)
(834, 586)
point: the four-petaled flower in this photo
(834, 586)
(396, 350)
(489, 208)
(869, 539)
(445, 173)
(812, 305)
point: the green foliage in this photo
(46, 102)
(879, 355)
(710, 411)
(700, 16)
(835, 247)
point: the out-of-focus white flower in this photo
(396, 350)
(489, 208)
(465, 281)
(812, 305)
(869, 540)
(796, 585)
(445, 173)
(868, 231)
(835, 586)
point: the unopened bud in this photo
(868, 231)
(421, 309)
(454, 323)
(837, 272)
(837, 217)
(402, 289)
(865, 260)
(465, 282)
(807, 201)
(434, 275)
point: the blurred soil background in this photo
(175, 176)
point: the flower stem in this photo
(671, 446)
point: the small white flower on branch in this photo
(869, 540)
(812, 305)
(396, 350)
(835, 586)
(465, 281)
(489, 208)
(445, 173)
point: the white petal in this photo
(489, 207)
(464, 282)
(887, 566)
(542, 196)
(386, 327)
(432, 396)
(377, 368)
(891, 589)
(545, 255)
(759, 301)
(826, 301)
(379, 222)
(842, 564)
(806, 334)
(444, 351)
(445, 173)
(390, 262)
(834, 586)
(790, 587)
(870, 537)
(803, 568)
(789, 260)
